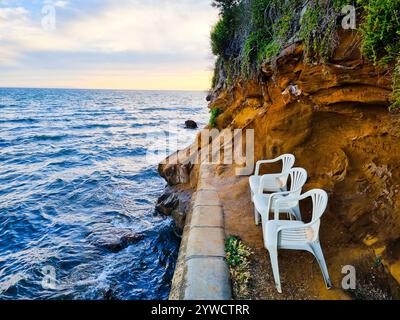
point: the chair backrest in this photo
(320, 203)
(298, 178)
(310, 232)
(288, 161)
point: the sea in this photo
(78, 187)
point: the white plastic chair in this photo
(265, 203)
(272, 182)
(297, 235)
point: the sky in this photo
(106, 44)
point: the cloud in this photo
(157, 28)
(10, 56)
(169, 26)
(163, 26)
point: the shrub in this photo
(215, 112)
(238, 255)
(260, 43)
(257, 48)
(221, 36)
(223, 32)
(224, 5)
(254, 31)
(396, 87)
(309, 25)
(381, 30)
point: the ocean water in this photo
(77, 192)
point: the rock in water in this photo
(175, 202)
(114, 239)
(167, 203)
(190, 124)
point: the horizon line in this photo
(105, 89)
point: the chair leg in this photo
(297, 213)
(273, 253)
(257, 216)
(317, 250)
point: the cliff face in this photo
(332, 113)
(334, 117)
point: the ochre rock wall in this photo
(334, 117)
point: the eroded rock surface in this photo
(334, 117)
(175, 202)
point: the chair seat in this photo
(272, 183)
(287, 239)
(261, 203)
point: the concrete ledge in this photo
(208, 242)
(207, 198)
(205, 184)
(207, 278)
(202, 272)
(207, 217)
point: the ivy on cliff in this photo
(252, 32)
(380, 31)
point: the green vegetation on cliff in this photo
(215, 112)
(253, 32)
(381, 37)
(381, 30)
(396, 87)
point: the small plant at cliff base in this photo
(238, 255)
(215, 112)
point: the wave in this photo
(24, 120)
(75, 166)
(45, 137)
(96, 126)
(5, 143)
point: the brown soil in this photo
(300, 273)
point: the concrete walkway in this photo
(202, 272)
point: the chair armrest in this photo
(259, 163)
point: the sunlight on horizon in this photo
(129, 44)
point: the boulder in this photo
(190, 124)
(167, 203)
(114, 239)
(175, 202)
